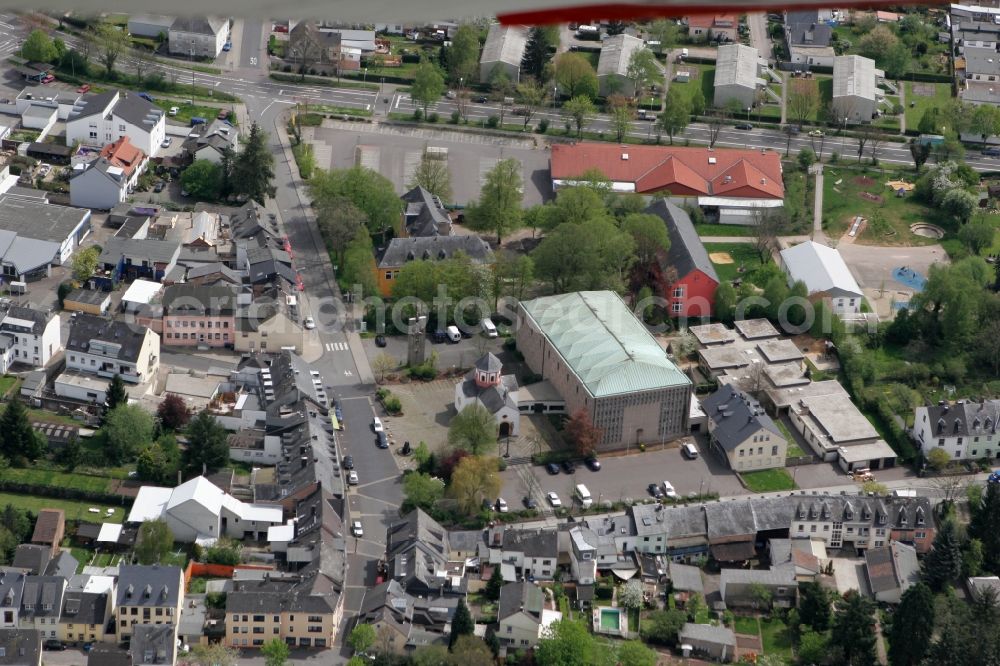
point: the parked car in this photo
(377, 424)
(352, 478)
(451, 94)
(166, 142)
(174, 110)
(529, 503)
(309, 323)
(994, 477)
(439, 336)
(520, 111)
(44, 169)
(743, 126)
(159, 186)
(668, 490)
(48, 78)
(381, 440)
(991, 152)
(816, 133)
(654, 490)
(197, 120)
(348, 462)
(85, 88)
(554, 499)
(53, 644)
(146, 96)
(502, 505)
(569, 466)
(356, 528)
(228, 46)
(482, 99)
(689, 450)
(552, 469)
(380, 341)
(593, 463)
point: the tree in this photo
(582, 433)
(760, 595)
(642, 70)
(462, 623)
(463, 55)
(473, 429)
(575, 76)
(985, 526)
(153, 465)
(474, 479)
(110, 41)
(803, 100)
(494, 585)
(433, 175)
(254, 170)
(630, 595)
(499, 206)
(676, 113)
(371, 192)
(662, 626)
(116, 393)
(72, 454)
(142, 62)
(224, 551)
(428, 85)
(650, 236)
(725, 302)
(428, 655)
(853, 632)
(19, 441)
(422, 491)
(581, 110)
(985, 121)
(664, 31)
(383, 363)
(896, 61)
(878, 43)
(541, 41)
(127, 429)
(919, 152)
(38, 47)
(173, 412)
(814, 606)
(215, 655)
(764, 233)
(275, 652)
(362, 637)
(591, 254)
(806, 159)
(530, 95)
(207, 448)
(813, 647)
(717, 119)
(938, 459)
(977, 235)
(512, 275)
(621, 114)
(912, 627)
(634, 653)
(501, 88)
(568, 643)
(154, 541)
(960, 205)
(85, 263)
(470, 650)
(339, 221)
(203, 180)
(698, 103)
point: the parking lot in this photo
(395, 152)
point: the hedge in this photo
(60, 492)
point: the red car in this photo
(280, 28)
(48, 78)
(84, 88)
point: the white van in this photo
(582, 494)
(453, 333)
(690, 451)
(489, 330)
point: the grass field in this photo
(44, 477)
(703, 80)
(742, 254)
(7, 382)
(50, 417)
(768, 480)
(916, 105)
(848, 192)
(793, 450)
(74, 510)
(188, 111)
(746, 625)
(710, 229)
(776, 637)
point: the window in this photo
(510, 629)
(678, 292)
(920, 535)
(812, 528)
(314, 618)
(388, 275)
(774, 450)
(258, 618)
(941, 442)
(742, 452)
(258, 630)
(677, 307)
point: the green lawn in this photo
(916, 105)
(702, 76)
(776, 637)
(56, 479)
(7, 382)
(821, 86)
(50, 417)
(846, 194)
(709, 229)
(743, 256)
(794, 450)
(768, 480)
(74, 510)
(188, 111)
(339, 110)
(746, 625)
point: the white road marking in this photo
(337, 346)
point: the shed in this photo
(88, 300)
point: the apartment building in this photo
(965, 429)
(147, 595)
(105, 348)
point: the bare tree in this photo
(110, 42)
(803, 99)
(863, 137)
(716, 121)
(765, 232)
(876, 139)
(142, 62)
(307, 50)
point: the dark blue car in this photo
(994, 477)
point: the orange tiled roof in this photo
(712, 20)
(123, 154)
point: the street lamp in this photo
(555, 96)
(364, 79)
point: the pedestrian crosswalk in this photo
(336, 346)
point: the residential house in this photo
(740, 430)
(687, 277)
(106, 348)
(503, 52)
(600, 358)
(803, 556)
(808, 36)
(856, 95)
(153, 26)
(30, 337)
(100, 119)
(202, 316)
(401, 251)
(685, 578)
(110, 178)
(322, 51)
(613, 65)
(213, 274)
(35, 235)
(198, 509)
(147, 595)
(418, 557)
(965, 429)
(31, 558)
(210, 141)
(20, 647)
(11, 589)
(486, 385)
(718, 643)
(129, 259)
(153, 644)
(269, 323)
(280, 607)
(44, 96)
(860, 523)
(197, 36)
(532, 552)
(41, 604)
(891, 570)
(713, 27)
(738, 586)
(522, 615)
(620, 528)
(737, 76)
(84, 617)
(424, 214)
(409, 622)
(730, 183)
(254, 447)
(50, 526)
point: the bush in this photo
(393, 405)
(543, 125)
(455, 117)
(418, 114)
(493, 122)
(834, 158)
(433, 117)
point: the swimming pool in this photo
(611, 619)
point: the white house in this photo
(855, 91)
(43, 96)
(198, 510)
(108, 179)
(486, 385)
(106, 348)
(41, 118)
(825, 275)
(966, 429)
(612, 66)
(199, 37)
(254, 447)
(737, 77)
(522, 615)
(97, 120)
(532, 552)
(28, 336)
(504, 48)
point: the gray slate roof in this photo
(201, 25)
(522, 596)
(224, 271)
(84, 607)
(42, 597)
(805, 29)
(425, 214)
(736, 417)
(32, 557)
(86, 327)
(37, 318)
(155, 585)
(153, 644)
(153, 251)
(21, 647)
(686, 252)
(968, 419)
(192, 300)
(533, 543)
(434, 248)
(893, 566)
(707, 633)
